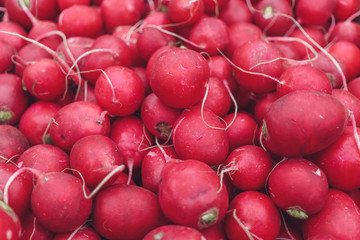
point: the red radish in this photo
(215, 232)
(27, 55)
(341, 162)
(91, 26)
(322, 237)
(13, 143)
(178, 77)
(346, 30)
(35, 121)
(193, 187)
(77, 120)
(185, 12)
(252, 215)
(158, 118)
(354, 87)
(289, 232)
(141, 72)
(348, 53)
(316, 34)
(242, 131)
(15, 28)
(84, 233)
(269, 16)
(248, 167)
(30, 228)
(18, 196)
(44, 79)
(262, 105)
(210, 131)
(58, 201)
(241, 33)
(314, 13)
(94, 157)
(46, 158)
(298, 186)
(123, 179)
(287, 49)
(153, 164)
(6, 64)
(303, 78)
(13, 99)
(243, 97)
(133, 139)
(303, 122)
(235, 11)
(355, 196)
(113, 51)
(350, 101)
(41, 9)
(345, 9)
(130, 12)
(174, 232)
(158, 18)
(339, 218)
(119, 90)
(154, 57)
(220, 68)
(214, 7)
(257, 78)
(9, 222)
(111, 219)
(210, 34)
(62, 4)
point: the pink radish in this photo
(35, 121)
(119, 90)
(6, 64)
(350, 101)
(62, 4)
(13, 99)
(252, 215)
(84, 233)
(339, 218)
(262, 105)
(314, 13)
(303, 122)
(346, 30)
(10, 226)
(94, 157)
(174, 232)
(210, 131)
(179, 87)
(186, 12)
(46, 158)
(248, 167)
(30, 228)
(77, 120)
(112, 209)
(298, 187)
(13, 27)
(13, 143)
(236, 11)
(354, 87)
(195, 188)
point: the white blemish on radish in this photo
(9, 234)
(321, 116)
(317, 172)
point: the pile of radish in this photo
(180, 119)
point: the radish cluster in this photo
(179, 119)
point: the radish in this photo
(248, 167)
(119, 90)
(252, 215)
(287, 49)
(13, 143)
(44, 79)
(174, 232)
(112, 51)
(158, 118)
(268, 16)
(262, 104)
(351, 102)
(193, 187)
(46, 158)
(314, 13)
(345, 9)
(346, 30)
(92, 26)
(355, 196)
(154, 57)
(215, 232)
(303, 78)
(210, 131)
(31, 229)
(35, 121)
(210, 34)
(153, 164)
(13, 99)
(303, 122)
(340, 161)
(10, 227)
(141, 72)
(130, 12)
(112, 209)
(220, 68)
(214, 7)
(235, 11)
(18, 196)
(185, 12)
(94, 157)
(257, 78)
(179, 88)
(13, 27)
(339, 218)
(62, 4)
(6, 64)
(77, 120)
(298, 187)
(84, 233)
(354, 87)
